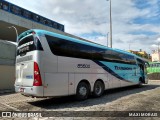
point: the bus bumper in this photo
(35, 91)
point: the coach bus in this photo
(51, 65)
(153, 67)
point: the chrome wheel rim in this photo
(83, 91)
(98, 89)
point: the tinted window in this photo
(1, 4)
(111, 55)
(28, 44)
(67, 48)
(97, 53)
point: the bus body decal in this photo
(110, 71)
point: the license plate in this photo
(21, 89)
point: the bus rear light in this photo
(37, 76)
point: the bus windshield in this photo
(28, 44)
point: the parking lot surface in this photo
(145, 98)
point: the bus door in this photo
(143, 70)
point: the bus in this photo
(153, 67)
(49, 64)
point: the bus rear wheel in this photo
(82, 92)
(98, 89)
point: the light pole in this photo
(130, 45)
(16, 32)
(158, 53)
(110, 16)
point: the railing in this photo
(14, 9)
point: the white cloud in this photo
(154, 47)
(158, 40)
(88, 16)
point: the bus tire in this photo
(98, 89)
(140, 82)
(82, 92)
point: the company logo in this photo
(122, 68)
(20, 114)
(6, 114)
(29, 76)
(26, 44)
(83, 66)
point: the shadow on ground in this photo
(109, 96)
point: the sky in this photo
(135, 23)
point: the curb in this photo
(6, 91)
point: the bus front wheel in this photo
(82, 92)
(140, 82)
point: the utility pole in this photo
(107, 38)
(110, 24)
(110, 16)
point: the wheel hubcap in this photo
(98, 89)
(83, 91)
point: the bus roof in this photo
(82, 41)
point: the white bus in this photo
(50, 65)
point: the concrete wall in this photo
(7, 77)
(7, 53)
(7, 65)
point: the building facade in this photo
(156, 56)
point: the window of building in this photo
(16, 10)
(49, 23)
(35, 17)
(26, 14)
(4, 5)
(55, 25)
(42, 20)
